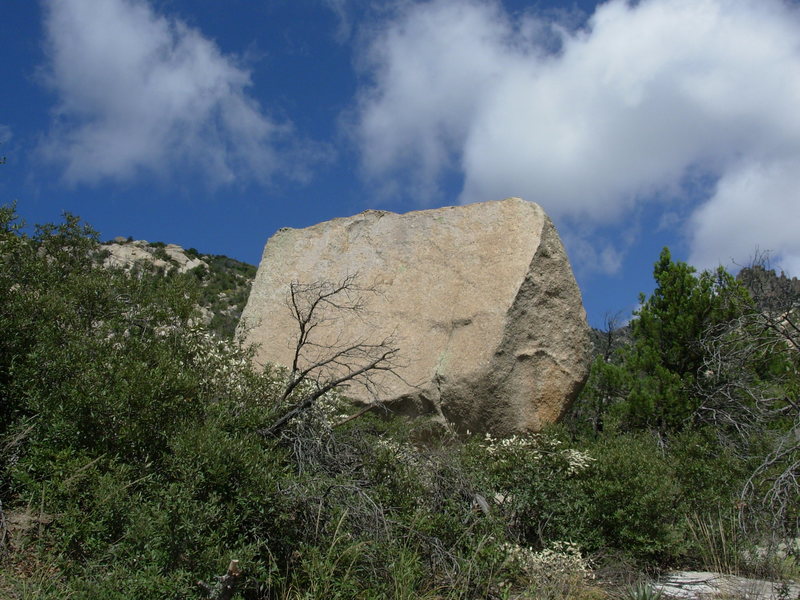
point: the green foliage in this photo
(654, 382)
(634, 499)
(133, 433)
(616, 493)
(667, 354)
(713, 378)
(108, 395)
(224, 290)
(98, 357)
(710, 474)
(598, 405)
(129, 444)
(536, 482)
(160, 253)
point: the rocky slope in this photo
(772, 293)
(224, 282)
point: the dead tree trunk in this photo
(226, 584)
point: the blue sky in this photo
(212, 124)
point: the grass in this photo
(719, 544)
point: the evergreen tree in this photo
(666, 356)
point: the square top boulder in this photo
(479, 302)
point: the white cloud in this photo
(755, 208)
(590, 257)
(5, 133)
(632, 105)
(431, 71)
(141, 92)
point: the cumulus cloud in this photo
(588, 256)
(755, 207)
(138, 92)
(431, 70)
(595, 120)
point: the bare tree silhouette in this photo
(327, 357)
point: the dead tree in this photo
(327, 357)
(749, 389)
(225, 587)
(775, 484)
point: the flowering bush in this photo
(556, 571)
(537, 447)
(221, 364)
(621, 493)
(535, 480)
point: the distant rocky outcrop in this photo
(771, 292)
(479, 299)
(125, 254)
(224, 282)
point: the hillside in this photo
(224, 282)
(141, 456)
(770, 291)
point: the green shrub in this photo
(134, 436)
(710, 475)
(634, 499)
(536, 483)
(617, 493)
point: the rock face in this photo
(704, 585)
(480, 300)
(224, 282)
(124, 254)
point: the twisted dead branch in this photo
(323, 362)
(749, 388)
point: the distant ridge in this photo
(224, 282)
(771, 292)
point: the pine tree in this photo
(667, 354)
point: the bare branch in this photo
(326, 356)
(748, 386)
(382, 363)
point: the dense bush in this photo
(635, 499)
(658, 371)
(712, 375)
(536, 481)
(618, 493)
(135, 463)
(132, 437)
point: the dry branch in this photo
(748, 387)
(324, 364)
(226, 584)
